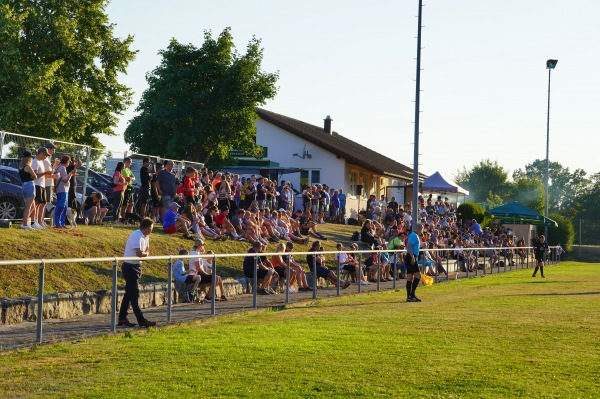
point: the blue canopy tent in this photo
(517, 213)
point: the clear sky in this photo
(484, 80)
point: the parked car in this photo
(11, 192)
(10, 175)
(11, 201)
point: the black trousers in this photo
(132, 274)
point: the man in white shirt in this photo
(49, 181)
(39, 167)
(138, 245)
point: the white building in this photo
(327, 157)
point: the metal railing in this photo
(394, 255)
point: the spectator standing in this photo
(27, 176)
(127, 174)
(138, 245)
(168, 186)
(342, 198)
(144, 193)
(119, 185)
(39, 167)
(156, 193)
(49, 182)
(62, 191)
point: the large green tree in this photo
(529, 192)
(59, 64)
(565, 190)
(201, 102)
(484, 179)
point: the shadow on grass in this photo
(566, 294)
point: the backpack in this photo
(355, 236)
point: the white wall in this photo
(282, 145)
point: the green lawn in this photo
(504, 335)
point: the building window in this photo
(315, 176)
(310, 176)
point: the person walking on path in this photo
(138, 245)
(540, 249)
(412, 266)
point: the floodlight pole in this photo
(415, 194)
(550, 65)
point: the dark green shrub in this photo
(564, 233)
(471, 210)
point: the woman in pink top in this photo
(119, 185)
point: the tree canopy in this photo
(483, 178)
(59, 63)
(565, 188)
(201, 102)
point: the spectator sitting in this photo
(316, 261)
(372, 263)
(173, 222)
(308, 227)
(224, 225)
(203, 268)
(183, 276)
(93, 210)
(265, 270)
(296, 268)
(348, 263)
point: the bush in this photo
(471, 210)
(564, 233)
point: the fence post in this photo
(3, 133)
(314, 293)
(484, 262)
(395, 275)
(214, 287)
(287, 280)
(85, 179)
(378, 271)
(113, 303)
(255, 282)
(169, 289)
(339, 276)
(40, 304)
(360, 272)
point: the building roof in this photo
(351, 151)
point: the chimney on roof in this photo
(327, 127)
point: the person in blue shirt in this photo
(183, 276)
(412, 266)
(342, 198)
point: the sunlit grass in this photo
(504, 335)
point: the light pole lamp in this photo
(550, 65)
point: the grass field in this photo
(504, 335)
(109, 241)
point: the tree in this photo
(529, 192)
(201, 102)
(565, 188)
(484, 179)
(563, 234)
(471, 210)
(59, 62)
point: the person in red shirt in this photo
(225, 226)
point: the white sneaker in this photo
(36, 225)
(362, 282)
(26, 227)
(292, 290)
